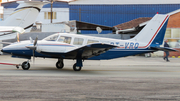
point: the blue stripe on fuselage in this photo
(24, 52)
(117, 53)
(111, 54)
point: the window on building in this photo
(173, 36)
(65, 39)
(47, 15)
(1, 17)
(168, 33)
(175, 33)
(92, 41)
(78, 41)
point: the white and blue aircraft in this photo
(81, 47)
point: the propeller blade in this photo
(31, 47)
(33, 56)
(31, 40)
(35, 41)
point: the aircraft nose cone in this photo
(4, 50)
(1, 50)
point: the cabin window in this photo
(92, 41)
(65, 39)
(52, 37)
(78, 41)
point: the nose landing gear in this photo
(25, 65)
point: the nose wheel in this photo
(25, 65)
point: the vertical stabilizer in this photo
(153, 33)
(25, 14)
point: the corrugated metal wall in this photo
(111, 15)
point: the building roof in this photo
(85, 25)
(122, 2)
(133, 23)
(57, 4)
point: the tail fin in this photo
(25, 14)
(153, 33)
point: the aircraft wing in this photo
(163, 48)
(8, 43)
(10, 32)
(11, 29)
(90, 50)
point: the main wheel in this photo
(76, 68)
(59, 65)
(25, 65)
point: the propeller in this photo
(33, 47)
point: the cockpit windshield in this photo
(52, 37)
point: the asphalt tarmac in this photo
(122, 79)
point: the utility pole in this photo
(79, 14)
(51, 10)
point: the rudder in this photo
(153, 33)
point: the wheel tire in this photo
(25, 66)
(59, 65)
(75, 68)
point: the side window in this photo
(78, 41)
(65, 39)
(92, 41)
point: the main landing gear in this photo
(60, 65)
(76, 68)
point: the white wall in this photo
(62, 15)
(1, 9)
(55, 28)
(119, 2)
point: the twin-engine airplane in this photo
(81, 47)
(22, 18)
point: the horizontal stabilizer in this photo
(163, 48)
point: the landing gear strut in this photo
(25, 65)
(59, 64)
